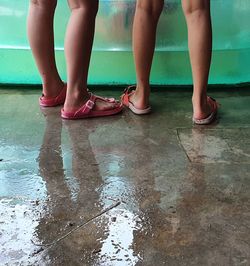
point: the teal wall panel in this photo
(112, 61)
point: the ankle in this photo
(140, 100)
(52, 88)
(199, 100)
(142, 91)
(76, 93)
(201, 108)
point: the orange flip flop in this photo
(125, 100)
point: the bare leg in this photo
(144, 36)
(41, 37)
(78, 47)
(197, 13)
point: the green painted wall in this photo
(112, 61)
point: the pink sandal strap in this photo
(87, 109)
(54, 101)
(88, 106)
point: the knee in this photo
(87, 6)
(195, 7)
(46, 4)
(152, 8)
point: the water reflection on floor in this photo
(180, 193)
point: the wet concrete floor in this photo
(125, 190)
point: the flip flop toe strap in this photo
(127, 93)
(213, 103)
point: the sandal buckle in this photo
(90, 104)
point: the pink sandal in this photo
(125, 100)
(86, 111)
(54, 101)
(211, 118)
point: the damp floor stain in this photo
(125, 190)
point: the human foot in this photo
(94, 106)
(206, 113)
(136, 102)
(54, 98)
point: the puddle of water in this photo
(18, 222)
(117, 248)
(18, 173)
(22, 192)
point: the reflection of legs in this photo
(84, 166)
(41, 37)
(59, 207)
(50, 160)
(88, 204)
(197, 13)
(144, 35)
(78, 46)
